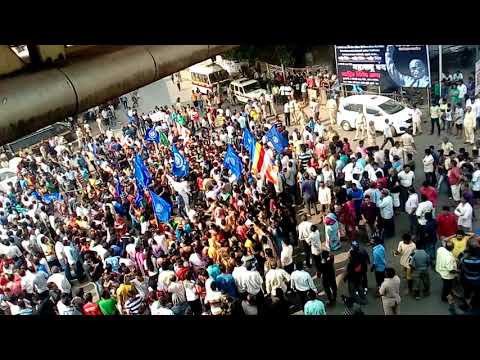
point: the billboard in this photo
(387, 66)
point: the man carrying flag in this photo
(161, 208)
(152, 135)
(278, 140)
(164, 139)
(233, 162)
(180, 165)
(142, 174)
(249, 143)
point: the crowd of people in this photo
(232, 242)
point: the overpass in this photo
(84, 77)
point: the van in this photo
(245, 89)
(209, 78)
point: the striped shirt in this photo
(304, 159)
(134, 304)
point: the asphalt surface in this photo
(165, 92)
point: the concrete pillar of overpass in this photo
(40, 54)
(9, 61)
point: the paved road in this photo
(165, 92)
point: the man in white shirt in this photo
(446, 267)
(386, 213)
(239, 274)
(387, 134)
(406, 178)
(428, 167)
(332, 110)
(469, 123)
(411, 206)
(324, 197)
(424, 207)
(474, 103)
(275, 279)
(60, 280)
(301, 282)
(464, 212)
(417, 120)
(303, 235)
(476, 181)
(348, 171)
(315, 109)
(360, 128)
(462, 91)
(254, 282)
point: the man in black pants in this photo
(435, 114)
(387, 134)
(326, 268)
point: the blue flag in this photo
(278, 140)
(249, 143)
(180, 165)
(48, 198)
(233, 162)
(161, 208)
(141, 172)
(139, 196)
(152, 135)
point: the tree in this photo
(277, 54)
(284, 55)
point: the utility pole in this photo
(440, 72)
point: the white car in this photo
(376, 108)
(7, 175)
(245, 89)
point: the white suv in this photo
(245, 89)
(376, 108)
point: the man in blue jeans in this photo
(309, 194)
(431, 238)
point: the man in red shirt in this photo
(90, 308)
(430, 192)
(454, 180)
(446, 223)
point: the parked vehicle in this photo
(208, 78)
(35, 139)
(245, 89)
(376, 108)
(7, 175)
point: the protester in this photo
(390, 292)
(197, 213)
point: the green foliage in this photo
(276, 55)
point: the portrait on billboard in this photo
(406, 71)
(385, 66)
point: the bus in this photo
(208, 78)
